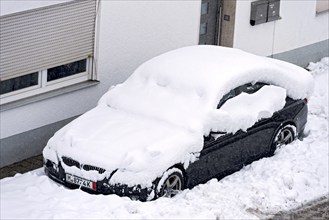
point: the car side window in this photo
(246, 88)
(226, 97)
(250, 88)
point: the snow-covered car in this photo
(180, 119)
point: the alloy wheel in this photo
(172, 186)
(285, 136)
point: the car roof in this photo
(220, 69)
(182, 85)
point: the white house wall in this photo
(300, 26)
(130, 33)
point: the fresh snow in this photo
(246, 109)
(188, 82)
(296, 174)
(160, 114)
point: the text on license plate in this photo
(80, 181)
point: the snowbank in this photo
(296, 174)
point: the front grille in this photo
(71, 162)
(90, 167)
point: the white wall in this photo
(130, 33)
(135, 31)
(299, 26)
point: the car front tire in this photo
(170, 184)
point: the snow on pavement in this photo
(296, 174)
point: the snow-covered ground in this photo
(297, 173)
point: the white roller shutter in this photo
(42, 38)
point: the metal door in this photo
(209, 22)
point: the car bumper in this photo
(301, 120)
(58, 174)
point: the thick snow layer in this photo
(183, 85)
(13, 6)
(160, 114)
(296, 174)
(246, 109)
(113, 139)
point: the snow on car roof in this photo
(215, 68)
(180, 86)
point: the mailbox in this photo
(273, 10)
(263, 11)
(258, 12)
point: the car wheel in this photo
(284, 136)
(170, 183)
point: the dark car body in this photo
(242, 148)
(219, 157)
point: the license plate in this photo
(80, 181)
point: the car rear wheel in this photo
(284, 136)
(171, 183)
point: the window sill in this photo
(47, 95)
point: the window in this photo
(204, 8)
(45, 80)
(226, 97)
(246, 88)
(322, 6)
(18, 83)
(46, 49)
(249, 88)
(66, 70)
(203, 28)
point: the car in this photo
(181, 119)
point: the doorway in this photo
(210, 22)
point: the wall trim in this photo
(303, 55)
(28, 144)
(47, 95)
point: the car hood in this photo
(116, 140)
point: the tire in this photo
(171, 182)
(284, 136)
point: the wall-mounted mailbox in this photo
(263, 11)
(258, 12)
(273, 10)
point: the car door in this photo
(221, 154)
(225, 153)
(257, 142)
(218, 158)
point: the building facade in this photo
(58, 57)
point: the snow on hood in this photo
(158, 116)
(113, 139)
